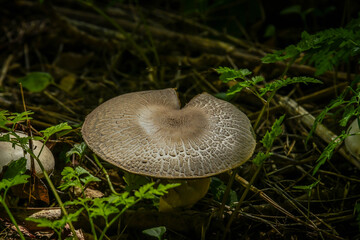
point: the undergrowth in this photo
(327, 50)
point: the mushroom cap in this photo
(147, 133)
(352, 143)
(8, 154)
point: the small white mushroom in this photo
(8, 154)
(352, 143)
(147, 133)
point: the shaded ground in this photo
(154, 46)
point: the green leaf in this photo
(7, 118)
(102, 207)
(123, 199)
(260, 158)
(244, 84)
(217, 188)
(36, 81)
(69, 179)
(143, 191)
(289, 52)
(8, 183)
(349, 112)
(229, 74)
(328, 151)
(16, 167)
(134, 181)
(20, 117)
(163, 189)
(54, 129)
(89, 179)
(77, 177)
(223, 96)
(157, 232)
(277, 84)
(5, 138)
(148, 192)
(276, 130)
(78, 149)
(333, 104)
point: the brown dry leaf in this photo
(36, 188)
(67, 82)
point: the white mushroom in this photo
(8, 154)
(352, 142)
(147, 133)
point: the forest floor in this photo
(307, 187)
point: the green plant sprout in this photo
(243, 81)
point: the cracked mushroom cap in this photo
(147, 133)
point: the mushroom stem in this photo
(184, 196)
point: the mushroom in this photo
(147, 133)
(352, 142)
(9, 153)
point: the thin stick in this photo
(307, 119)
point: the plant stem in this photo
(2, 201)
(241, 201)
(106, 174)
(91, 222)
(227, 192)
(256, 125)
